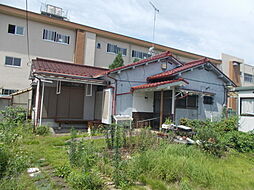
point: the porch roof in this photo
(161, 85)
(52, 69)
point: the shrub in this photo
(42, 130)
(13, 114)
(242, 142)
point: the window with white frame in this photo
(12, 61)
(55, 37)
(248, 77)
(89, 90)
(115, 49)
(13, 29)
(8, 91)
(139, 54)
(247, 106)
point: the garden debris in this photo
(33, 172)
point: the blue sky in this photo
(207, 27)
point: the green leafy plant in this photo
(13, 115)
(118, 62)
(85, 180)
(42, 130)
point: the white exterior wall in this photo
(16, 46)
(143, 101)
(246, 123)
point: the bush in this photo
(42, 130)
(13, 114)
(240, 141)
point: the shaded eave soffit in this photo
(72, 79)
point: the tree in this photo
(118, 62)
(136, 60)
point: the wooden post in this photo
(173, 104)
(161, 109)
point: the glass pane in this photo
(8, 60)
(11, 29)
(192, 101)
(17, 61)
(20, 30)
(181, 102)
(247, 106)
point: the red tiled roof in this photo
(153, 58)
(178, 69)
(155, 84)
(63, 68)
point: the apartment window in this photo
(13, 29)
(115, 49)
(12, 61)
(55, 37)
(8, 91)
(139, 54)
(248, 77)
(190, 101)
(98, 45)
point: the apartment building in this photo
(55, 38)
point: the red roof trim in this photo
(153, 58)
(150, 85)
(179, 69)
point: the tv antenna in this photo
(156, 11)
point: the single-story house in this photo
(151, 89)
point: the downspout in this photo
(114, 96)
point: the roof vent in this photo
(53, 11)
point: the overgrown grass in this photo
(182, 166)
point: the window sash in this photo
(140, 55)
(12, 61)
(13, 29)
(55, 37)
(114, 49)
(247, 106)
(248, 77)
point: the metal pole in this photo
(161, 109)
(173, 104)
(37, 103)
(42, 98)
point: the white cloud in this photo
(207, 27)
